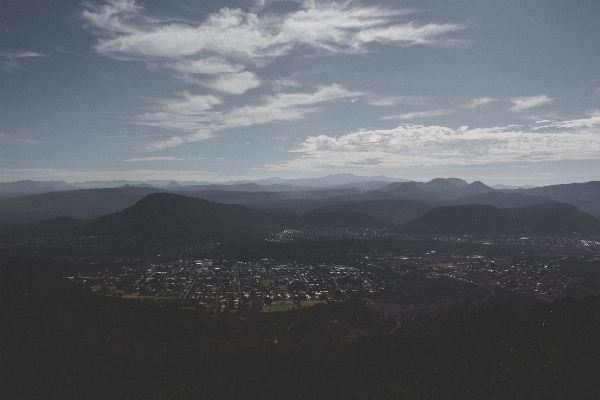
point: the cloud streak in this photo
(478, 102)
(195, 115)
(421, 145)
(9, 62)
(524, 103)
(420, 114)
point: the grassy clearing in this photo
(283, 288)
(96, 288)
(150, 297)
(285, 307)
(310, 303)
(268, 281)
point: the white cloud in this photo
(220, 51)
(235, 83)
(394, 100)
(420, 114)
(116, 16)
(592, 113)
(190, 103)
(10, 61)
(592, 121)
(210, 65)
(285, 106)
(192, 115)
(524, 103)
(280, 84)
(233, 35)
(480, 101)
(420, 145)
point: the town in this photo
(229, 285)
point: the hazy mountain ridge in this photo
(547, 219)
(341, 206)
(436, 189)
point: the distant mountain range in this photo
(364, 203)
(25, 187)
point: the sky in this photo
(502, 92)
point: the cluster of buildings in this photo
(230, 284)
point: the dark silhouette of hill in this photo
(88, 202)
(18, 214)
(174, 216)
(502, 200)
(168, 215)
(485, 219)
(436, 189)
(555, 218)
(388, 212)
(232, 197)
(585, 196)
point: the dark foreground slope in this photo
(585, 196)
(389, 212)
(167, 215)
(545, 219)
(59, 344)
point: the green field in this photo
(310, 303)
(96, 288)
(150, 297)
(283, 288)
(285, 307)
(268, 281)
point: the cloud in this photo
(285, 106)
(210, 65)
(395, 100)
(280, 84)
(420, 114)
(591, 122)
(10, 61)
(480, 101)
(524, 103)
(231, 40)
(143, 159)
(227, 50)
(235, 83)
(194, 117)
(421, 145)
(234, 33)
(593, 113)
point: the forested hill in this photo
(553, 218)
